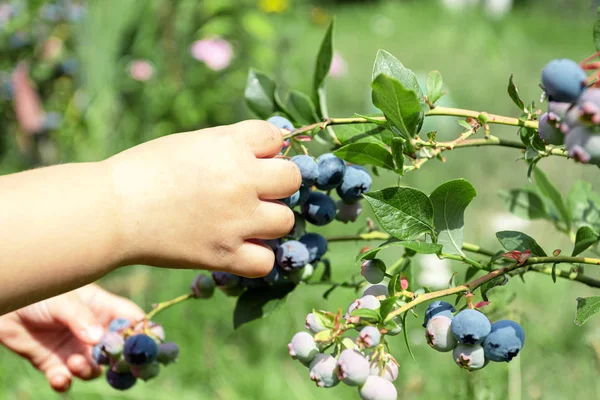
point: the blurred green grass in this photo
(475, 56)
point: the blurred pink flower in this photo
(27, 104)
(141, 70)
(216, 53)
(339, 66)
(6, 12)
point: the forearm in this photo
(59, 230)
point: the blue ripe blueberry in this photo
(203, 287)
(353, 368)
(564, 80)
(347, 212)
(119, 365)
(316, 245)
(470, 327)
(281, 122)
(504, 342)
(369, 302)
(439, 336)
(299, 226)
(470, 357)
(146, 372)
(292, 255)
(549, 131)
(121, 381)
(377, 388)
(99, 356)
(583, 145)
(438, 307)
(229, 284)
(389, 372)
(273, 244)
(140, 350)
(276, 276)
(298, 198)
(331, 171)
(373, 270)
(376, 290)
(356, 182)
(303, 347)
(313, 325)
(308, 169)
(368, 337)
(112, 344)
(319, 209)
(323, 371)
(167, 353)
(118, 324)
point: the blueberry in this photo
(373, 270)
(299, 226)
(302, 274)
(389, 372)
(112, 344)
(281, 122)
(203, 287)
(319, 209)
(291, 255)
(140, 350)
(303, 347)
(469, 357)
(504, 342)
(368, 337)
(589, 105)
(121, 381)
(229, 284)
(438, 334)
(331, 171)
(564, 80)
(558, 110)
(353, 368)
(396, 327)
(313, 325)
(436, 308)
(323, 371)
(99, 356)
(347, 212)
(146, 372)
(376, 388)
(470, 327)
(369, 302)
(276, 276)
(157, 330)
(118, 324)
(549, 131)
(298, 198)
(376, 290)
(119, 365)
(167, 353)
(583, 145)
(308, 169)
(316, 245)
(273, 244)
(356, 181)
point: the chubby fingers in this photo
(252, 259)
(276, 178)
(264, 139)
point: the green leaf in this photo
(584, 205)
(324, 318)
(302, 107)
(450, 201)
(489, 285)
(258, 303)
(366, 313)
(585, 238)
(372, 119)
(405, 213)
(406, 337)
(387, 64)
(513, 240)
(260, 94)
(323, 61)
(513, 92)
(387, 306)
(551, 193)
(398, 154)
(524, 203)
(363, 133)
(597, 32)
(399, 104)
(586, 308)
(435, 86)
(366, 153)
(422, 247)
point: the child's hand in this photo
(57, 335)
(198, 199)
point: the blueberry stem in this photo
(166, 304)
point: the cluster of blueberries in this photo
(472, 338)
(297, 253)
(573, 116)
(133, 351)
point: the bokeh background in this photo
(101, 76)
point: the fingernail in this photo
(94, 333)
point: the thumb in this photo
(79, 318)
